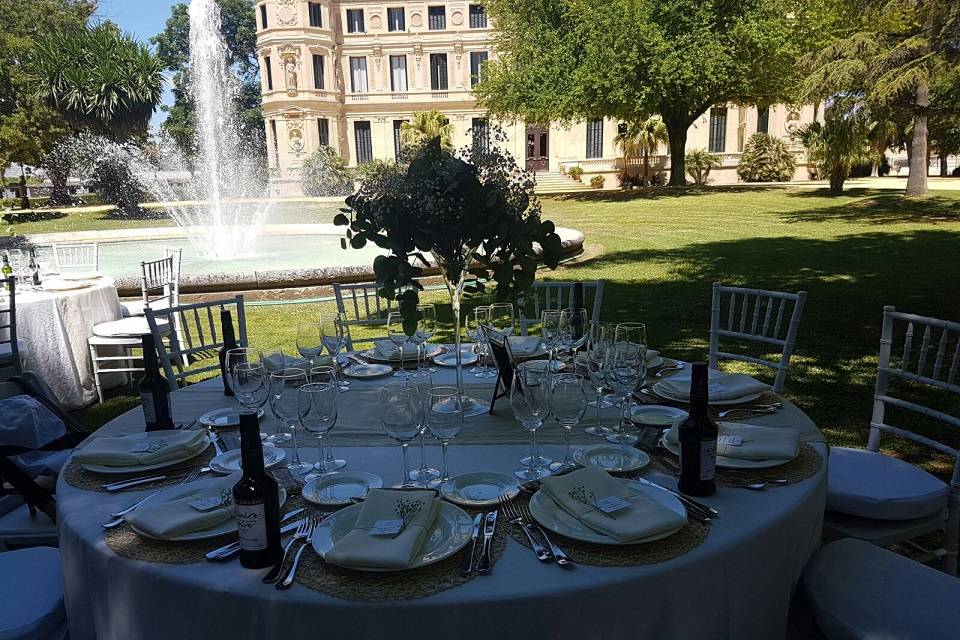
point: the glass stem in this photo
(536, 445)
(567, 458)
(443, 449)
(323, 466)
(296, 450)
(406, 467)
(330, 457)
(624, 407)
(533, 448)
(599, 402)
(423, 452)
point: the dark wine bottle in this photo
(698, 440)
(154, 390)
(229, 342)
(256, 499)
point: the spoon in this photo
(668, 369)
(759, 410)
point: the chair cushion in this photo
(870, 484)
(132, 308)
(19, 526)
(32, 594)
(127, 327)
(859, 590)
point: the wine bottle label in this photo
(149, 411)
(252, 527)
(708, 459)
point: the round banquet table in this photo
(55, 325)
(737, 584)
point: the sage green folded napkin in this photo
(276, 362)
(173, 518)
(387, 350)
(757, 442)
(523, 346)
(125, 451)
(652, 354)
(723, 386)
(578, 492)
(361, 550)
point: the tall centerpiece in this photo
(473, 211)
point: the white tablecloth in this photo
(738, 584)
(55, 326)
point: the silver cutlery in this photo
(513, 516)
(486, 557)
(705, 512)
(215, 439)
(466, 567)
(754, 410)
(301, 533)
(119, 516)
(558, 554)
(755, 483)
(229, 550)
(292, 572)
(135, 482)
(668, 368)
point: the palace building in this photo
(347, 73)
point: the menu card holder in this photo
(500, 347)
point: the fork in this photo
(667, 369)
(562, 558)
(514, 516)
(292, 573)
(118, 516)
(757, 409)
(300, 534)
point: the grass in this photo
(659, 252)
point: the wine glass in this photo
(575, 328)
(398, 336)
(317, 405)
(625, 370)
(482, 320)
(568, 403)
(634, 332)
(272, 363)
(284, 400)
(550, 332)
(274, 360)
(502, 318)
(424, 382)
(600, 339)
(309, 341)
(530, 401)
(251, 385)
(335, 331)
(444, 421)
(237, 356)
(475, 319)
(401, 414)
(328, 374)
(426, 327)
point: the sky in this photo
(142, 18)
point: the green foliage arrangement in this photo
(838, 144)
(575, 172)
(597, 182)
(699, 164)
(766, 159)
(325, 173)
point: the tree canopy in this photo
(575, 59)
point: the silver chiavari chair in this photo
(553, 295)
(361, 306)
(77, 257)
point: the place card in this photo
(611, 504)
(729, 441)
(386, 527)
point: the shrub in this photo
(325, 173)
(699, 164)
(115, 182)
(597, 182)
(766, 159)
(575, 172)
(956, 172)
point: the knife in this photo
(486, 559)
(707, 510)
(126, 484)
(227, 551)
(466, 567)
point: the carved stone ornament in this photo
(456, 18)
(290, 56)
(416, 20)
(458, 48)
(295, 136)
(377, 52)
(793, 121)
(418, 51)
(286, 13)
(376, 22)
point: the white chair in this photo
(885, 500)
(113, 342)
(858, 590)
(159, 284)
(750, 317)
(201, 337)
(77, 257)
(10, 345)
(361, 306)
(32, 595)
(554, 295)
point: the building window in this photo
(438, 71)
(397, 138)
(396, 20)
(323, 130)
(263, 15)
(316, 18)
(718, 129)
(477, 59)
(595, 139)
(269, 72)
(480, 129)
(478, 17)
(436, 18)
(355, 21)
(363, 140)
(317, 71)
(398, 73)
(358, 75)
(276, 144)
(763, 120)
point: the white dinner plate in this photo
(367, 371)
(656, 415)
(80, 275)
(226, 527)
(750, 397)
(449, 358)
(374, 355)
(615, 458)
(229, 461)
(338, 489)
(549, 514)
(226, 417)
(481, 489)
(141, 468)
(63, 285)
(730, 463)
(449, 534)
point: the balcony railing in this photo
(383, 96)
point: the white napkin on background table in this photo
(388, 351)
(723, 386)
(176, 517)
(758, 443)
(121, 451)
(523, 346)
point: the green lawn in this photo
(660, 251)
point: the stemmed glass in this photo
(285, 401)
(274, 359)
(625, 370)
(317, 406)
(335, 331)
(401, 414)
(601, 336)
(573, 321)
(568, 403)
(550, 332)
(476, 318)
(502, 319)
(237, 356)
(635, 332)
(251, 385)
(426, 327)
(482, 319)
(272, 365)
(398, 337)
(444, 421)
(530, 401)
(424, 382)
(309, 341)
(329, 375)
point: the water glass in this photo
(633, 332)
(309, 341)
(444, 421)
(625, 371)
(568, 403)
(550, 332)
(328, 374)
(398, 336)
(502, 318)
(573, 323)
(530, 401)
(599, 342)
(335, 332)
(481, 321)
(474, 320)
(318, 415)
(235, 357)
(275, 359)
(285, 401)
(424, 382)
(251, 385)
(426, 327)
(401, 415)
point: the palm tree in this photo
(838, 144)
(641, 138)
(427, 125)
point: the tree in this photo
(766, 159)
(571, 60)
(699, 162)
(28, 135)
(640, 139)
(838, 144)
(427, 125)
(325, 173)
